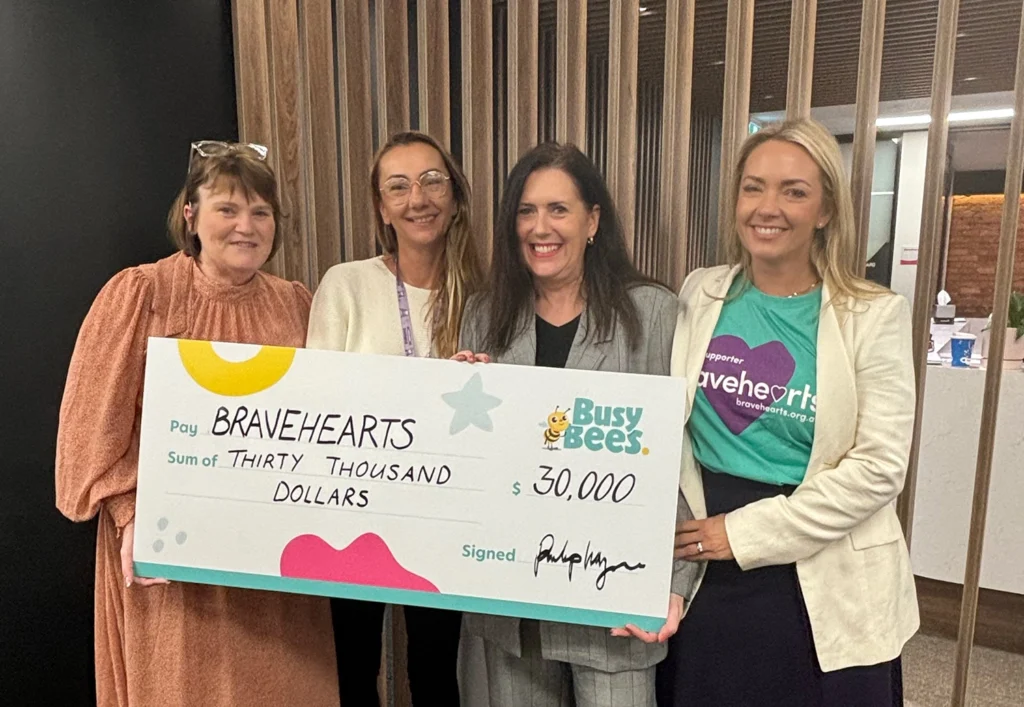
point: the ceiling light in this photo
(956, 117)
(903, 120)
(992, 114)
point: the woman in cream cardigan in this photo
(800, 416)
(408, 301)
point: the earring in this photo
(590, 241)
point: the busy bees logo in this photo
(595, 427)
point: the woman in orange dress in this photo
(169, 644)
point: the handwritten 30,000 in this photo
(592, 487)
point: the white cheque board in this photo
(531, 492)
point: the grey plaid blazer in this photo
(590, 646)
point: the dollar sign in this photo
(515, 489)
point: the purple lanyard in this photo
(403, 313)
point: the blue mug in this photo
(962, 346)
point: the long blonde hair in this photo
(834, 247)
(462, 273)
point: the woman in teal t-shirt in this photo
(800, 416)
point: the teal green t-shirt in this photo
(753, 415)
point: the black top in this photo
(554, 342)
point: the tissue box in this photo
(945, 313)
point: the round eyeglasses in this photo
(397, 190)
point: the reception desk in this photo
(945, 483)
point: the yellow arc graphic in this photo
(232, 378)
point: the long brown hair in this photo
(234, 166)
(608, 271)
(461, 274)
(834, 247)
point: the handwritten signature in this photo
(587, 559)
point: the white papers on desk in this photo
(941, 335)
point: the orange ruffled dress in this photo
(180, 644)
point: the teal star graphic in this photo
(471, 405)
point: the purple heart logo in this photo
(741, 383)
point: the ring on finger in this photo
(700, 548)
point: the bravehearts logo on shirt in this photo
(743, 383)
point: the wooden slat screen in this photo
(660, 108)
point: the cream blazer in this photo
(840, 525)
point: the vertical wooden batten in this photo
(623, 35)
(801, 58)
(355, 129)
(252, 78)
(288, 122)
(432, 62)
(252, 72)
(392, 89)
(993, 380)
(571, 71)
(321, 144)
(869, 81)
(522, 47)
(739, 42)
(478, 117)
(674, 211)
(931, 227)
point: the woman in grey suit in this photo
(563, 293)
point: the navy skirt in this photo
(747, 639)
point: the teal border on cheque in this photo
(385, 595)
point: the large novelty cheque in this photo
(514, 490)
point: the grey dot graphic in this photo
(162, 524)
(158, 545)
(181, 537)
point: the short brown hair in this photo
(238, 167)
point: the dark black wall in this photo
(989, 181)
(99, 100)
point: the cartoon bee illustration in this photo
(558, 422)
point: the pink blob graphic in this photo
(367, 560)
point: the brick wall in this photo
(971, 257)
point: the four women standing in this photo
(793, 479)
